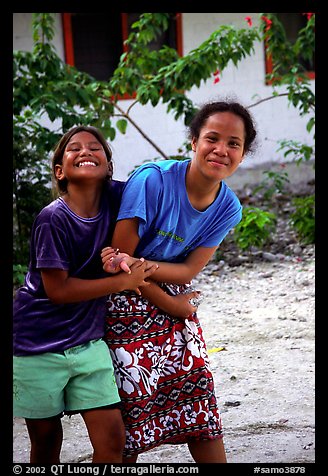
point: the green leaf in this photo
(121, 125)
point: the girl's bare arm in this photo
(126, 239)
(62, 288)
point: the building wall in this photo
(275, 119)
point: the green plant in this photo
(288, 71)
(300, 152)
(255, 228)
(19, 272)
(272, 183)
(303, 218)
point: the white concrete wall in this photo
(275, 119)
(22, 33)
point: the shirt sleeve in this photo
(215, 237)
(51, 247)
(141, 194)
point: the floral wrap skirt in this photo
(162, 373)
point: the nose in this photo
(85, 151)
(221, 148)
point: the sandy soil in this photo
(262, 314)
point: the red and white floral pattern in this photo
(162, 372)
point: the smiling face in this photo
(219, 149)
(84, 158)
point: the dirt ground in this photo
(262, 315)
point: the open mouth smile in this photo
(86, 163)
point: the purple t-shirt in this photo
(61, 239)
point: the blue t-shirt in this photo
(169, 226)
(61, 239)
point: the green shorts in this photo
(77, 379)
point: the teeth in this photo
(86, 163)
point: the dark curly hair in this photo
(234, 107)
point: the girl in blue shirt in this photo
(175, 213)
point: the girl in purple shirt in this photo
(61, 363)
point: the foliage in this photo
(288, 71)
(19, 272)
(303, 218)
(255, 228)
(170, 80)
(47, 89)
(301, 152)
(273, 182)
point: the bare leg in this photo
(207, 451)
(46, 437)
(107, 434)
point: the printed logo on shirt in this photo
(169, 234)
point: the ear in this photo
(242, 157)
(193, 144)
(59, 172)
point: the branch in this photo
(267, 99)
(124, 114)
(131, 106)
(272, 97)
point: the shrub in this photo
(303, 218)
(19, 272)
(255, 227)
